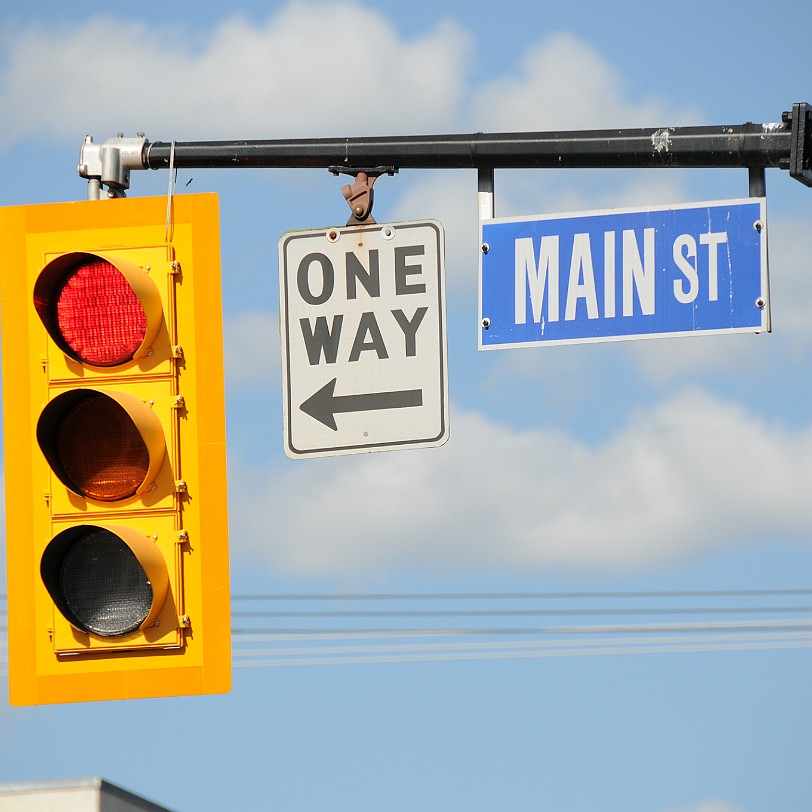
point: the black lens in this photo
(103, 588)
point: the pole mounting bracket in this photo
(800, 150)
(359, 195)
(109, 164)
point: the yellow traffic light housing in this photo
(116, 506)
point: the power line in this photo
(410, 596)
(330, 634)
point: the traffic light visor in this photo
(105, 446)
(99, 309)
(107, 581)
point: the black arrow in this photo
(325, 404)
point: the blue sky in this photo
(667, 466)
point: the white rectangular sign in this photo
(363, 326)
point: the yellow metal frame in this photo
(180, 378)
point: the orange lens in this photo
(100, 450)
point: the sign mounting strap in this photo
(359, 195)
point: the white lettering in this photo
(609, 274)
(713, 240)
(581, 268)
(638, 274)
(537, 277)
(684, 252)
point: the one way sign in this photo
(362, 318)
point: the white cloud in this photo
(694, 473)
(710, 806)
(291, 75)
(251, 349)
(563, 83)
(451, 199)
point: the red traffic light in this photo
(99, 310)
(117, 514)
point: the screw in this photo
(485, 248)
(486, 323)
(760, 303)
(758, 225)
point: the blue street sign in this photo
(621, 274)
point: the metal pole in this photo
(485, 193)
(758, 182)
(785, 145)
(743, 145)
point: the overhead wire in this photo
(327, 634)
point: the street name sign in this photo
(363, 327)
(624, 274)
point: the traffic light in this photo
(116, 506)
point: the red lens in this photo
(99, 316)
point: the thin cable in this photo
(637, 649)
(171, 190)
(671, 628)
(432, 613)
(409, 596)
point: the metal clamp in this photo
(109, 164)
(359, 195)
(800, 150)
